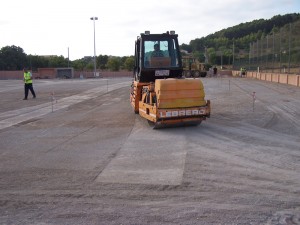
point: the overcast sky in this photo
(44, 27)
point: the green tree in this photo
(90, 66)
(79, 64)
(58, 61)
(199, 55)
(211, 55)
(102, 61)
(12, 58)
(186, 47)
(198, 44)
(122, 61)
(114, 63)
(35, 62)
(129, 63)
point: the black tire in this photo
(151, 124)
(188, 73)
(203, 74)
(196, 73)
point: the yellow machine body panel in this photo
(136, 94)
(179, 93)
(170, 101)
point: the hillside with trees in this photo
(234, 43)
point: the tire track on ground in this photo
(148, 157)
(20, 115)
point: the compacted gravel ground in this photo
(79, 155)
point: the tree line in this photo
(14, 58)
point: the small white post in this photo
(253, 98)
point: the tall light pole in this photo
(94, 18)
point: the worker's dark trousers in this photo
(29, 87)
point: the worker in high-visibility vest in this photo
(28, 84)
(243, 72)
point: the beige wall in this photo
(282, 78)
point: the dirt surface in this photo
(79, 155)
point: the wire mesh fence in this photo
(278, 52)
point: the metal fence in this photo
(278, 52)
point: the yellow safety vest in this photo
(27, 78)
